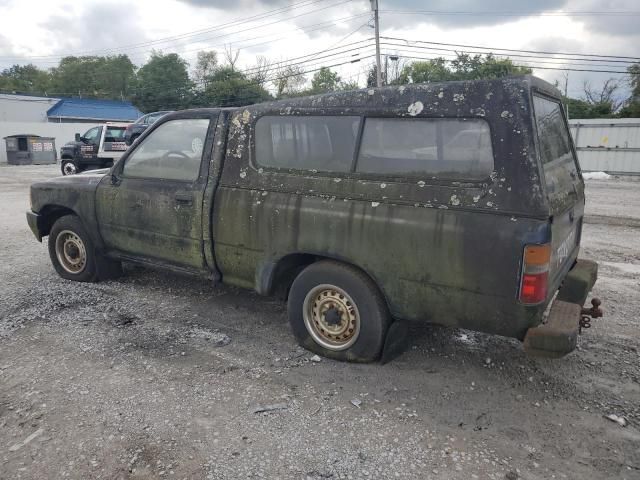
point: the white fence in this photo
(62, 132)
(608, 145)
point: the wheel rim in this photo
(69, 168)
(71, 252)
(331, 317)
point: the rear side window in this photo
(553, 135)
(447, 148)
(114, 134)
(319, 143)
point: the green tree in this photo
(350, 85)
(289, 80)
(163, 83)
(92, 76)
(464, 67)
(631, 109)
(25, 79)
(206, 64)
(577, 108)
(434, 70)
(324, 80)
(227, 87)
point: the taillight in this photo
(535, 274)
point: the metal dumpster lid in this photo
(23, 135)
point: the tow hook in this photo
(586, 314)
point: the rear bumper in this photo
(34, 220)
(558, 336)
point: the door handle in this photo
(184, 198)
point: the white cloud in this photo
(57, 27)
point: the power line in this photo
(222, 35)
(407, 41)
(562, 60)
(516, 13)
(306, 28)
(530, 66)
(260, 16)
(310, 69)
(240, 46)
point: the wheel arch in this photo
(49, 214)
(276, 276)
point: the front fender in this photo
(63, 195)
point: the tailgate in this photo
(563, 185)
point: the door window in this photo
(173, 151)
(93, 135)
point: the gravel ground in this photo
(159, 376)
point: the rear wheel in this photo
(337, 311)
(68, 167)
(73, 255)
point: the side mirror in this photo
(115, 180)
(78, 137)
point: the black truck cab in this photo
(99, 147)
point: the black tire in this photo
(73, 254)
(373, 317)
(68, 167)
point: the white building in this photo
(25, 108)
(609, 145)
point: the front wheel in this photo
(73, 255)
(68, 167)
(337, 311)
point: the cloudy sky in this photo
(40, 31)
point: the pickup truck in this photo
(99, 147)
(458, 203)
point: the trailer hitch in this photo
(586, 314)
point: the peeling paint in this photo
(421, 183)
(458, 97)
(415, 108)
(383, 185)
(375, 204)
(454, 200)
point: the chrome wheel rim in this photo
(331, 317)
(69, 168)
(71, 252)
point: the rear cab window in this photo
(559, 164)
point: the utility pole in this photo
(374, 7)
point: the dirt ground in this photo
(155, 375)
